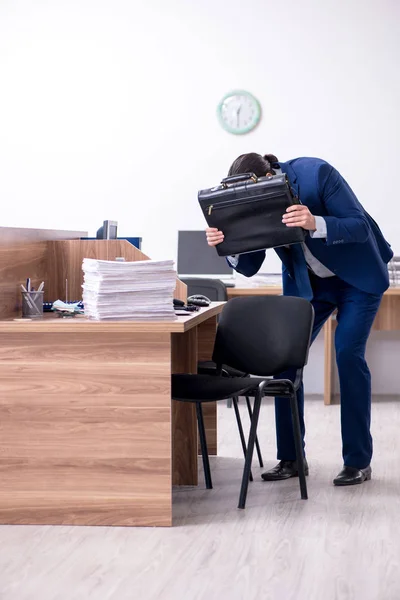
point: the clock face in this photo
(239, 112)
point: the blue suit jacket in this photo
(355, 249)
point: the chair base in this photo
(251, 444)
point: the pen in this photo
(28, 284)
(28, 298)
(41, 286)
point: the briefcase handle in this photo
(240, 177)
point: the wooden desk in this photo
(87, 432)
(387, 319)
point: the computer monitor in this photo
(196, 257)
(108, 231)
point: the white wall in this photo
(108, 107)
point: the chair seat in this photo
(208, 367)
(207, 388)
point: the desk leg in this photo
(328, 342)
(184, 424)
(206, 338)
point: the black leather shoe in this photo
(352, 476)
(284, 470)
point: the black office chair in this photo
(264, 335)
(215, 290)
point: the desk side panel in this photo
(184, 423)
(206, 338)
(85, 429)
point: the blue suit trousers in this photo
(356, 311)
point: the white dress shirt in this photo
(313, 263)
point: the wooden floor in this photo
(341, 544)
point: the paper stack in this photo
(259, 280)
(394, 271)
(131, 291)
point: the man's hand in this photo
(214, 236)
(299, 215)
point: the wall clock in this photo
(239, 112)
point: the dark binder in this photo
(248, 209)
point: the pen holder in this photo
(32, 305)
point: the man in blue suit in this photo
(341, 266)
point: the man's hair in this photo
(253, 163)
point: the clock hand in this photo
(238, 114)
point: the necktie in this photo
(301, 275)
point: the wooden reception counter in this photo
(88, 434)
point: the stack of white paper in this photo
(394, 271)
(132, 291)
(259, 280)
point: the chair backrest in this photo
(214, 289)
(264, 335)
